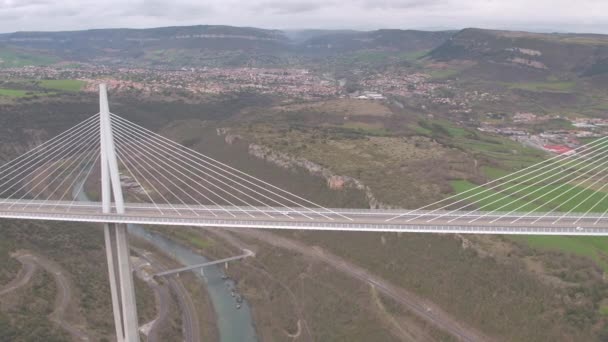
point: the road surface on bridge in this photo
(319, 219)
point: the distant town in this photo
(305, 85)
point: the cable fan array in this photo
(52, 170)
(156, 174)
(177, 180)
(563, 186)
(161, 177)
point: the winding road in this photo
(64, 290)
(24, 275)
(162, 297)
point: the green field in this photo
(367, 128)
(545, 189)
(62, 85)
(28, 88)
(443, 73)
(509, 154)
(592, 247)
(13, 93)
(554, 87)
(412, 56)
(595, 248)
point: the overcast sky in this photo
(538, 15)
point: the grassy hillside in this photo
(544, 53)
(205, 45)
(394, 41)
(13, 58)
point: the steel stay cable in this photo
(171, 181)
(165, 148)
(85, 144)
(245, 202)
(504, 192)
(595, 205)
(89, 142)
(566, 192)
(507, 195)
(64, 150)
(212, 201)
(585, 200)
(542, 187)
(185, 150)
(83, 157)
(45, 157)
(92, 156)
(551, 191)
(78, 178)
(483, 186)
(132, 162)
(228, 185)
(50, 143)
(138, 182)
(603, 214)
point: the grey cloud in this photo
(403, 4)
(175, 10)
(14, 4)
(291, 7)
(6, 16)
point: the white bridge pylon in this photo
(115, 234)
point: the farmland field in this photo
(62, 85)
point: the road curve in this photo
(424, 309)
(64, 291)
(190, 319)
(24, 275)
(62, 301)
(163, 300)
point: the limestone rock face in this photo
(334, 182)
(232, 138)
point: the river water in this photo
(233, 324)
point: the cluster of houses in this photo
(563, 141)
(368, 95)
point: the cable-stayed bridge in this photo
(132, 175)
(169, 184)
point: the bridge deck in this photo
(318, 219)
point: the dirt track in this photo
(162, 297)
(24, 275)
(64, 290)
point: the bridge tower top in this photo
(110, 178)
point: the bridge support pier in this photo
(121, 283)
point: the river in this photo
(233, 324)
